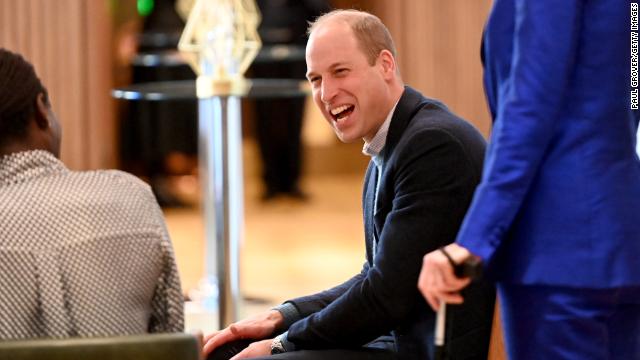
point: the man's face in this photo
(353, 95)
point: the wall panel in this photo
(442, 43)
(99, 106)
(68, 41)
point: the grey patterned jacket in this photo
(82, 253)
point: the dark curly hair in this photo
(19, 88)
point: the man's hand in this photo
(257, 327)
(258, 348)
(437, 281)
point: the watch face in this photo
(276, 347)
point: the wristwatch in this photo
(276, 346)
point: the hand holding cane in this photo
(471, 267)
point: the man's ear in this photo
(388, 63)
(42, 112)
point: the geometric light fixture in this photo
(219, 41)
(183, 8)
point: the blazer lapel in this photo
(368, 206)
(409, 104)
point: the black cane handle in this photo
(471, 267)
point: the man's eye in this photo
(341, 71)
(314, 79)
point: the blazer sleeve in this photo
(308, 305)
(427, 192)
(528, 108)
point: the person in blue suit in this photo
(556, 216)
(638, 145)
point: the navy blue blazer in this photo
(559, 201)
(432, 164)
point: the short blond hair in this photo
(370, 32)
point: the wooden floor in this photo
(290, 248)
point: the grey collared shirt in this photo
(373, 149)
(82, 253)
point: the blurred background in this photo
(303, 221)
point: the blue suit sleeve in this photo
(527, 110)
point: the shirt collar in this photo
(27, 165)
(375, 146)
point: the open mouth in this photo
(341, 112)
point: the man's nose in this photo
(327, 92)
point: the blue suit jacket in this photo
(559, 201)
(431, 164)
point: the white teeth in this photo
(341, 119)
(339, 109)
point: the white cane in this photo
(470, 267)
(439, 335)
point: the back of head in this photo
(19, 88)
(372, 35)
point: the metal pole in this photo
(220, 157)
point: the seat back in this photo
(179, 346)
